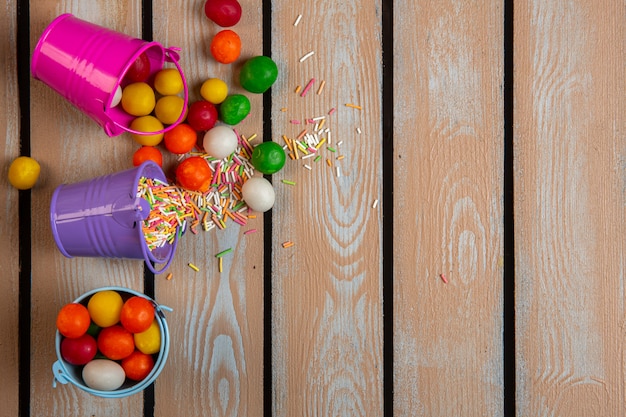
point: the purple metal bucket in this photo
(85, 63)
(102, 217)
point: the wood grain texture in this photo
(570, 200)
(9, 253)
(215, 366)
(448, 196)
(327, 288)
(70, 148)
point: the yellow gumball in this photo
(147, 124)
(214, 90)
(24, 172)
(138, 99)
(168, 82)
(169, 108)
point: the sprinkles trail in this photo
(174, 209)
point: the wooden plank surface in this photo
(216, 365)
(9, 253)
(327, 288)
(448, 159)
(570, 200)
(71, 148)
(327, 342)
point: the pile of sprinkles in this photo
(174, 209)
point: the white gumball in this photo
(258, 194)
(103, 375)
(117, 97)
(220, 141)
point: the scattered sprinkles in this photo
(288, 244)
(307, 56)
(375, 203)
(169, 276)
(192, 266)
(443, 278)
(224, 252)
(297, 20)
(354, 106)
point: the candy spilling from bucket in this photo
(103, 217)
(103, 376)
(86, 64)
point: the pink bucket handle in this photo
(171, 55)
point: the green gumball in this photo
(234, 109)
(258, 74)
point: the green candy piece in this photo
(234, 109)
(258, 74)
(268, 157)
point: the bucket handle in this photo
(59, 374)
(145, 250)
(171, 55)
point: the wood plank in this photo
(327, 288)
(215, 366)
(570, 218)
(448, 196)
(71, 147)
(9, 123)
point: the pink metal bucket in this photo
(85, 63)
(102, 217)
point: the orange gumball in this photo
(116, 342)
(181, 139)
(226, 46)
(146, 153)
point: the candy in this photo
(139, 69)
(138, 99)
(214, 90)
(268, 157)
(234, 109)
(226, 46)
(117, 97)
(225, 13)
(258, 74)
(220, 141)
(202, 115)
(258, 194)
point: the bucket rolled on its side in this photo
(85, 63)
(102, 217)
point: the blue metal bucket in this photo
(65, 372)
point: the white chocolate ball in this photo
(258, 194)
(220, 141)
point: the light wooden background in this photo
(447, 170)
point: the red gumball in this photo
(139, 70)
(225, 13)
(201, 115)
(80, 350)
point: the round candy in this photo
(24, 172)
(234, 109)
(168, 82)
(169, 108)
(201, 115)
(138, 99)
(258, 194)
(225, 13)
(226, 46)
(258, 74)
(220, 141)
(117, 97)
(139, 69)
(103, 375)
(268, 157)
(147, 124)
(214, 90)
